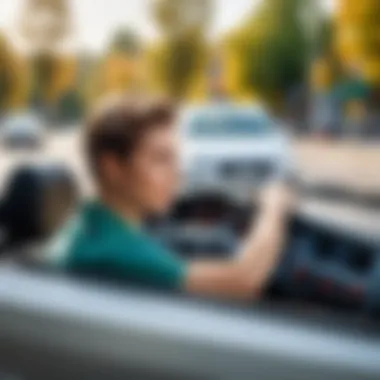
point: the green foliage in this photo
(8, 74)
(184, 51)
(273, 48)
(178, 63)
(70, 106)
(325, 43)
(44, 70)
(126, 41)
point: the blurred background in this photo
(58, 57)
(314, 64)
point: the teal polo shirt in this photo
(99, 242)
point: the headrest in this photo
(37, 199)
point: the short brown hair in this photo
(117, 126)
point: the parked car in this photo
(232, 149)
(22, 130)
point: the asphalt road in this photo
(348, 165)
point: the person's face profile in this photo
(150, 176)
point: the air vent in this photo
(360, 258)
(326, 245)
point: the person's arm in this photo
(245, 276)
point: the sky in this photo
(95, 20)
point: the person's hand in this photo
(278, 198)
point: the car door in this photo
(53, 327)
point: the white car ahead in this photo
(231, 149)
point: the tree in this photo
(12, 78)
(272, 49)
(126, 41)
(182, 17)
(44, 71)
(357, 37)
(178, 64)
(45, 24)
(120, 70)
(6, 74)
(182, 53)
(70, 106)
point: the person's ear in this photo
(110, 168)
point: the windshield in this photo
(236, 124)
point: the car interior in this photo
(319, 314)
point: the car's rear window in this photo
(230, 124)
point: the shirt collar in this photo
(96, 209)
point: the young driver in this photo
(132, 152)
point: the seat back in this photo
(37, 200)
